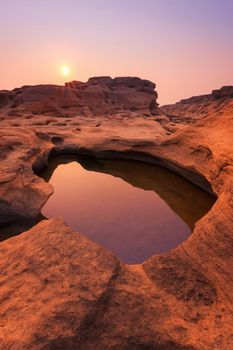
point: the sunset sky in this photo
(184, 46)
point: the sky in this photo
(184, 46)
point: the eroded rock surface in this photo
(58, 290)
(98, 96)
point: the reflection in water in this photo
(133, 209)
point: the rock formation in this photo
(98, 96)
(58, 290)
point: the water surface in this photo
(134, 209)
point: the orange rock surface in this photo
(59, 290)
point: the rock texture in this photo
(98, 96)
(60, 291)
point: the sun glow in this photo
(65, 71)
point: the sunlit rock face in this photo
(98, 96)
(59, 290)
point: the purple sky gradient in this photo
(184, 46)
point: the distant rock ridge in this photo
(197, 106)
(98, 96)
(224, 92)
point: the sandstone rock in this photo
(198, 107)
(225, 91)
(68, 277)
(4, 98)
(100, 95)
(58, 290)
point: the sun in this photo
(65, 71)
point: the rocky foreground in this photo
(59, 290)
